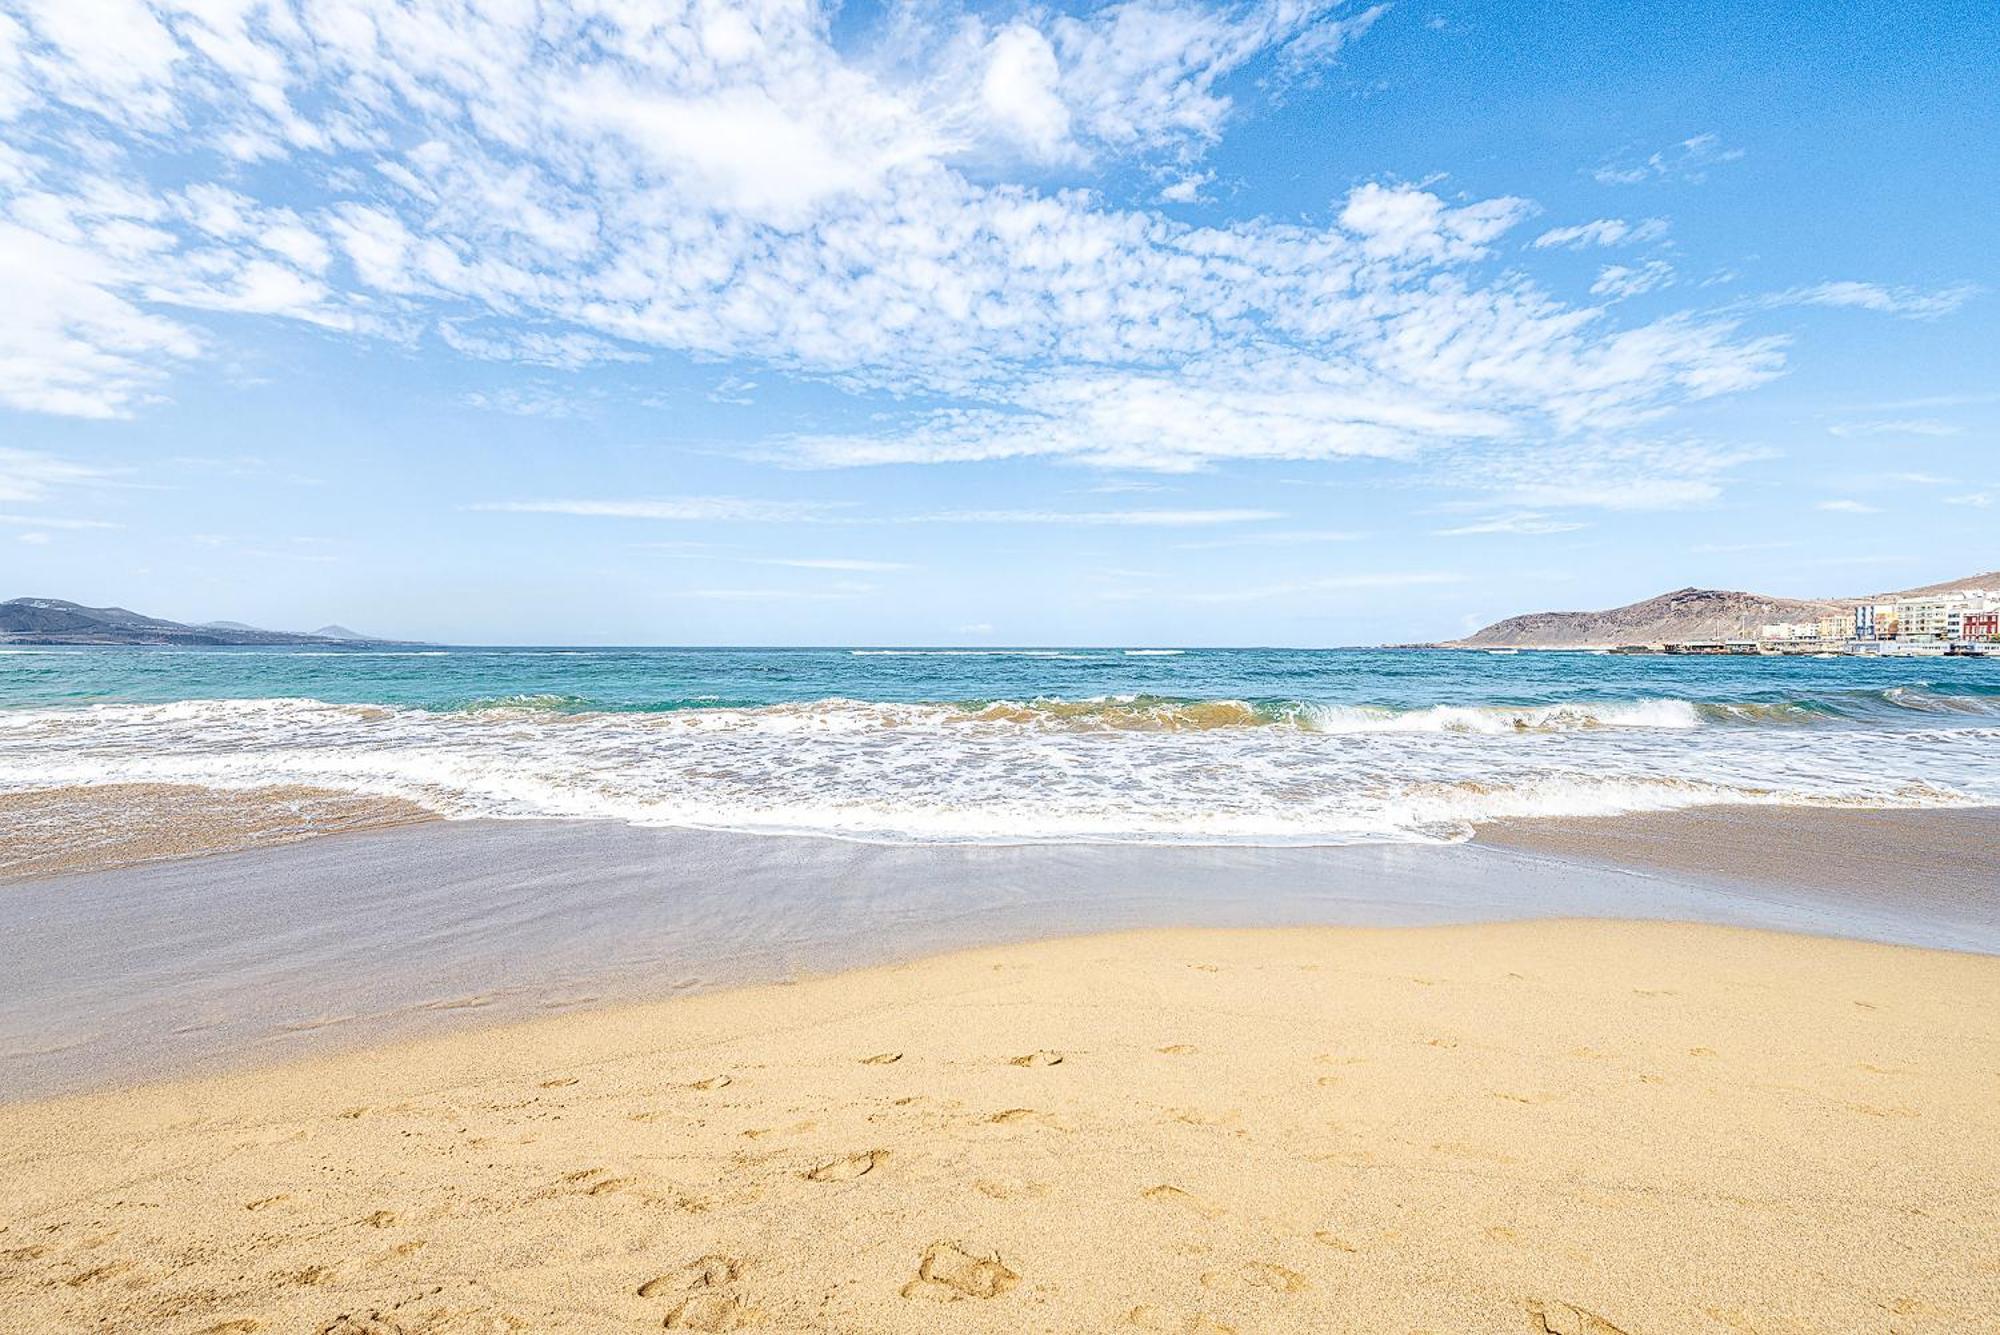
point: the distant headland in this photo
(55, 621)
(1959, 615)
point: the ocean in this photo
(1159, 745)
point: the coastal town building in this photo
(1963, 617)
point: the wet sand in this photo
(201, 965)
(58, 830)
(1944, 860)
(1577, 1127)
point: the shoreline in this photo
(1600, 1126)
(138, 825)
(245, 959)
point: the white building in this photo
(1939, 617)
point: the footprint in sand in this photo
(710, 1311)
(98, 1274)
(1176, 1049)
(1555, 1318)
(1011, 1116)
(1256, 1275)
(847, 1167)
(1009, 1188)
(562, 1083)
(314, 1276)
(380, 1219)
(23, 1253)
(1204, 1117)
(949, 1272)
(1042, 1058)
(240, 1326)
(1147, 1317)
(882, 1059)
(704, 1272)
(609, 1185)
(267, 1202)
(1328, 1238)
(367, 1323)
(714, 1082)
(1187, 1200)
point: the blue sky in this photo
(1293, 323)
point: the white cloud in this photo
(1615, 282)
(527, 401)
(30, 475)
(1689, 161)
(1187, 189)
(1405, 223)
(1848, 508)
(1273, 408)
(1602, 474)
(573, 182)
(1522, 523)
(1021, 91)
(1900, 426)
(1978, 500)
(34, 539)
(558, 351)
(1908, 302)
(1602, 232)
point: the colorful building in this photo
(1875, 621)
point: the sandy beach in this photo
(1579, 1127)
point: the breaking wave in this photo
(1109, 767)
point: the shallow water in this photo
(1067, 745)
(262, 956)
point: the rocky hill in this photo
(54, 621)
(1685, 614)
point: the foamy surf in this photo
(1115, 767)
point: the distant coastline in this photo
(55, 621)
(1956, 617)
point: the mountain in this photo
(334, 631)
(55, 621)
(1683, 615)
(1989, 580)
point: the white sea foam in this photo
(1118, 767)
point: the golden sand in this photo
(1557, 1127)
(57, 830)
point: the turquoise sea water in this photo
(1259, 745)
